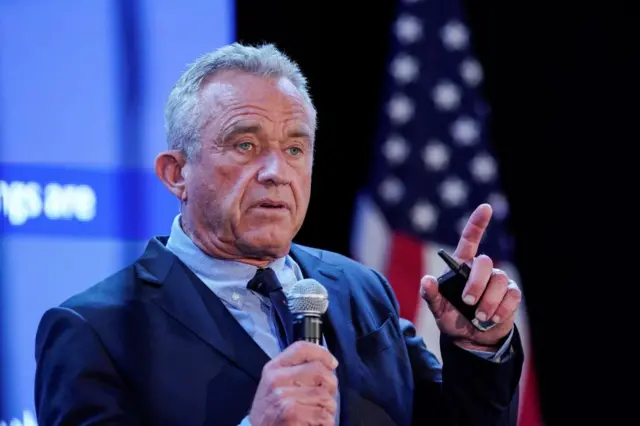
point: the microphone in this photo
(308, 300)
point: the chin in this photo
(268, 244)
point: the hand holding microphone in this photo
(298, 386)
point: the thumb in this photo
(430, 293)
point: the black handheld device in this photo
(451, 285)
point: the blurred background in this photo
(427, 108)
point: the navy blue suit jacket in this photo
(152, 345)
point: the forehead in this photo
(234, 89)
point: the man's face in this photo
(250, 184)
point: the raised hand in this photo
(498, 295)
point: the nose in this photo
(274, 170)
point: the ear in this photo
(169, 167)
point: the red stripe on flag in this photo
(530, 414)
(404, 271)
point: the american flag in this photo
(432, 166)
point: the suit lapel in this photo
(185, 297)
(180, 294)
(338, 327)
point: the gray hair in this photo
(183, 119)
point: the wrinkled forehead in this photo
(233, 89)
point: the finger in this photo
(510, 303)
(430, 294)
(294, 412)
(301, 352)
(493, 295)
(319, 398)
(478, 279)
(312, 374)
(319, 417)
(309, 397)
(467, 247)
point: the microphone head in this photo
(308, 297)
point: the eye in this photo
(295, 151)
(244, 146)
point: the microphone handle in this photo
(307, 327)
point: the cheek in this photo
(302, 191)
(197, 187)
(220, 187)
(235, 184)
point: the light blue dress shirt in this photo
(228, 280)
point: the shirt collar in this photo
(227, 278)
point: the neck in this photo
(214, 247)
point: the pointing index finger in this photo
(472, 233)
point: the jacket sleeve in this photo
(465, 390)
(76, 382)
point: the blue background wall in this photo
(82, 90)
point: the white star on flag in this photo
(424, 216)
(465, 131)
(435, 155)
(396, 149)
(453, 192)
(400, 109)
(392, 190)
(446, 96)
(471, 72)
(499, 205)
(455, 35)
(408, 29)
(483, 167)
(404, 69)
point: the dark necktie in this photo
(266, 283)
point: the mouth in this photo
(272, 205)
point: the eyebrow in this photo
(240, 129)
(299, 133)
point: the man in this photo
(185, 335)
